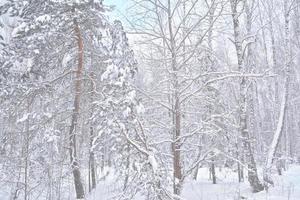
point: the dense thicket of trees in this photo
(210, 83)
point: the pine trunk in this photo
(74, 121)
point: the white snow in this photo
(126, 112)
(22, 27)
(140, 108)
(131, 95)
(24, 118)
(36, 51)
(43, 18)
(67, 58)
(153, 162)
(227, 187)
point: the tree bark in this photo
(213, 171)
(176, 112)
(277, 136)
(92, 166)
(74, 121)
(26, 152)
(282, 115)
(252, 170)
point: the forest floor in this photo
(286, 187)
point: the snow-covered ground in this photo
(287, 187)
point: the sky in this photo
(120, 6)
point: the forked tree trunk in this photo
(74, 121)
(249, 157)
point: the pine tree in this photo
(54, 36)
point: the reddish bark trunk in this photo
(72, 134)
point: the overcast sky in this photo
(120, 7)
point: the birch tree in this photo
(284, 102)
(252, 171)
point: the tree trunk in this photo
(282, 114)
(26, 152)
(276, 114)
(195, 175)
(213, 171)
(288, 60)
(92, 167)
(127, 170)
(176, 150)
(72, 134)
(277, 136)
(252, 170)
(176, 112)
(240, 169)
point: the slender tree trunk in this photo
(196, 172)
(252, 170)
(277, 136)
(210, 63)
(126, 180)
(176, 149)
(26, 151)
(288, 60)
(92, 167)
(239, 167)
(213, 171)
(74, 121)
(198, 166)
(283, 109)
(279, 164)
(176, 112)
(15, 193)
